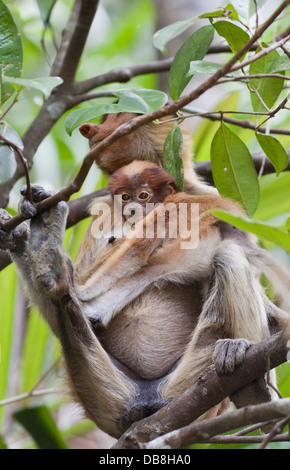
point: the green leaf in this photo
(274, 196)
(79, 116)
(10, 50)
(8, 163)
(140, 101)
(201, 66)
(282, 63)
(233, 169)
(132, 101)
(41, 426)
(235, 36)
(228, 12)
(11, 134)
(269, 88)
(172, 156)
(164, 35)
(43, 84)
(264, 231)
(195, 48)
(274, 151)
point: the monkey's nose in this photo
(133, 209)
(89, 129)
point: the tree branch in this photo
(66, 63)
(209, 390)
(203, 431)
(74, 38)
(246, 124)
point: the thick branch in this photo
(203, 431)
(66, 63)
(74, 38)
(209, 390)
(124, 74)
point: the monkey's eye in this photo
(143, 195)
(125, 197)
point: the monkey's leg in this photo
(102, 389)
(233, 312)
(16, 242)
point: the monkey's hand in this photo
(50, 266)
(15, 241)
(229, 354)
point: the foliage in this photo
(253, 88)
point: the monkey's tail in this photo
(279, 276)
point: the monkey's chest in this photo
(151, 334)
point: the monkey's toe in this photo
(229, 354)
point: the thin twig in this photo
(10, 106)
(249, 77)
(276, 110)
(246, 124)
(23, 396)
(277, 429)
(232, 439)
(260, 54)
(23, 161)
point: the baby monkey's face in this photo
(134, 201)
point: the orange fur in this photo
(145, 144)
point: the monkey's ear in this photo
(171, 187)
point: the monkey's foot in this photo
(14, 239)
(229, 354)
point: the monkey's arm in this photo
(117, 260)
(38, 255)
(101, 388)
(168, 264)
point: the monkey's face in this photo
(144, 144)
(119, 153)
(139, 186)
(134, 201)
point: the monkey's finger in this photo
(26, 209)
(229, 354)
(241, 347)
(38, 192)
(220, 355)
